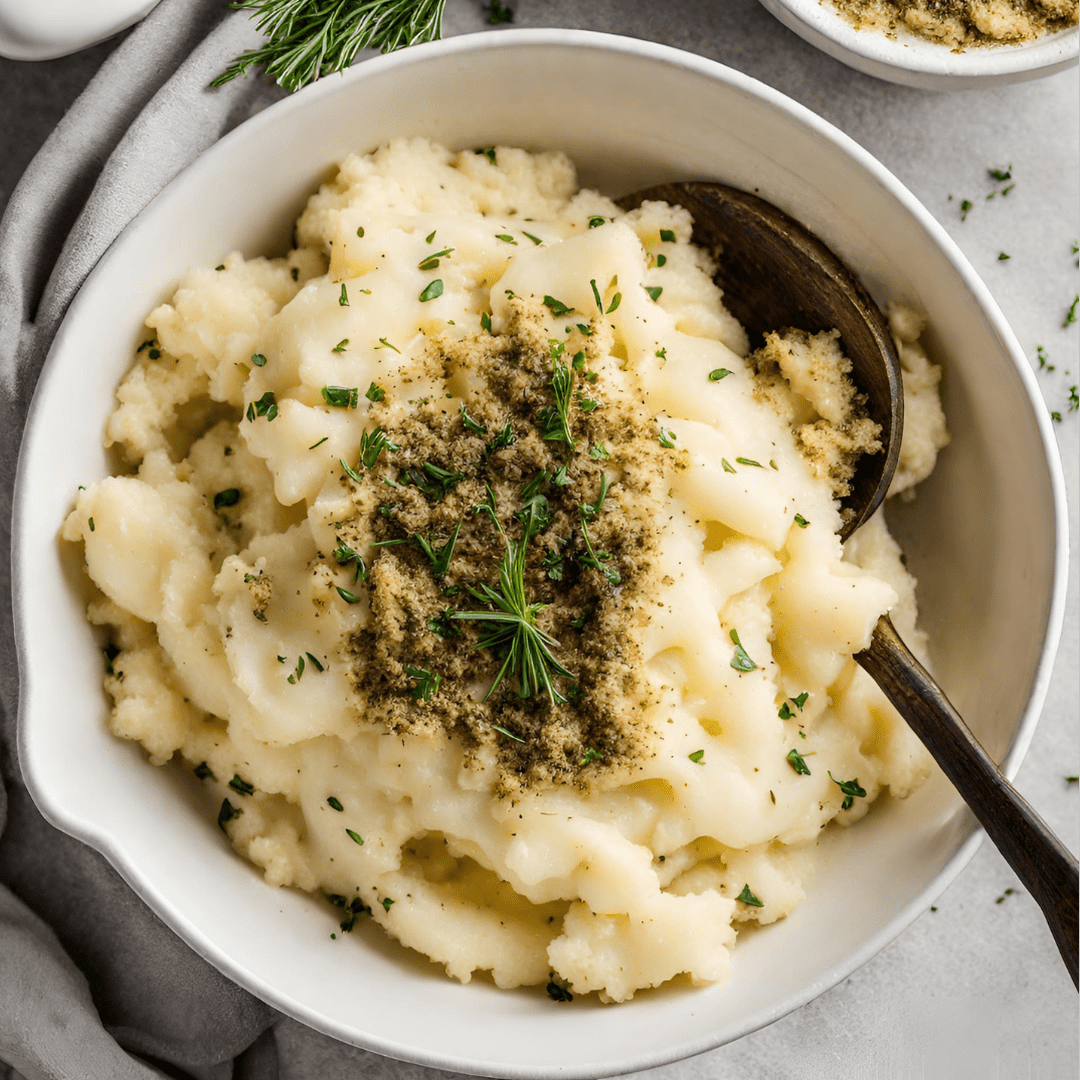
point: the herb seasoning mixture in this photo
(513, 538)
(963, 23)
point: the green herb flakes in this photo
(801, 521)
(432, 290)
(258, 359)
(667, 438)
(228, 497)
(341, 397)
(355, 837)
(335, 804)
(241, 786)
(851, 790)
(697, 757)
(654, 291)
(747, 897)
(202, 771)
(556, 307)
(740, 661)
(227, 813)
(667, 236)
(795, 760)
(265, 406)
(427, 682)
(718, 373)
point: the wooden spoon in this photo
(775, 273)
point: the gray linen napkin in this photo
(81, 957)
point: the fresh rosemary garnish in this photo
(307, 39)
(510, 628)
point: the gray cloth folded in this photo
(92, 984)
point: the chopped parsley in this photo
(740, 661)
(654, 291)
(341, 397)
(747, 897)
(667, 236)
(1070, 315)
(595, 222)
(697, 757)
(795, 760)
(228, 497)
(375, 392)
(343, 299)
(556, 307)
(334, 804)
(427, 683)
(227, 813)
(432, 290)
(718, 373)
(851, 790)
(667, 438)
(355, 837)
(785, 712)
(241, 786)
(258, 359)
(801, 521)
(748, 461)
(265, 406)
(202, 771)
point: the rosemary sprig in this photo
(511, 628)
(307, 39)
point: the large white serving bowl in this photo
(911, 60)
(986, 538)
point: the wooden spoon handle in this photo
(1045, 866)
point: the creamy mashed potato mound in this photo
(472, 386)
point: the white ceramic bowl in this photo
(985, 537)
(911, 60)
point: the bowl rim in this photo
(113, 849)
(921, 57)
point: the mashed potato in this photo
(487, 583)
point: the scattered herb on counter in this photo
(1070, 315)
(965, 209)
(1001, 898)
(1003, 256)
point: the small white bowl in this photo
(911, 60)
(45, 29)
(986, 538)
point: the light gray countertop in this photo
(974, 989)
